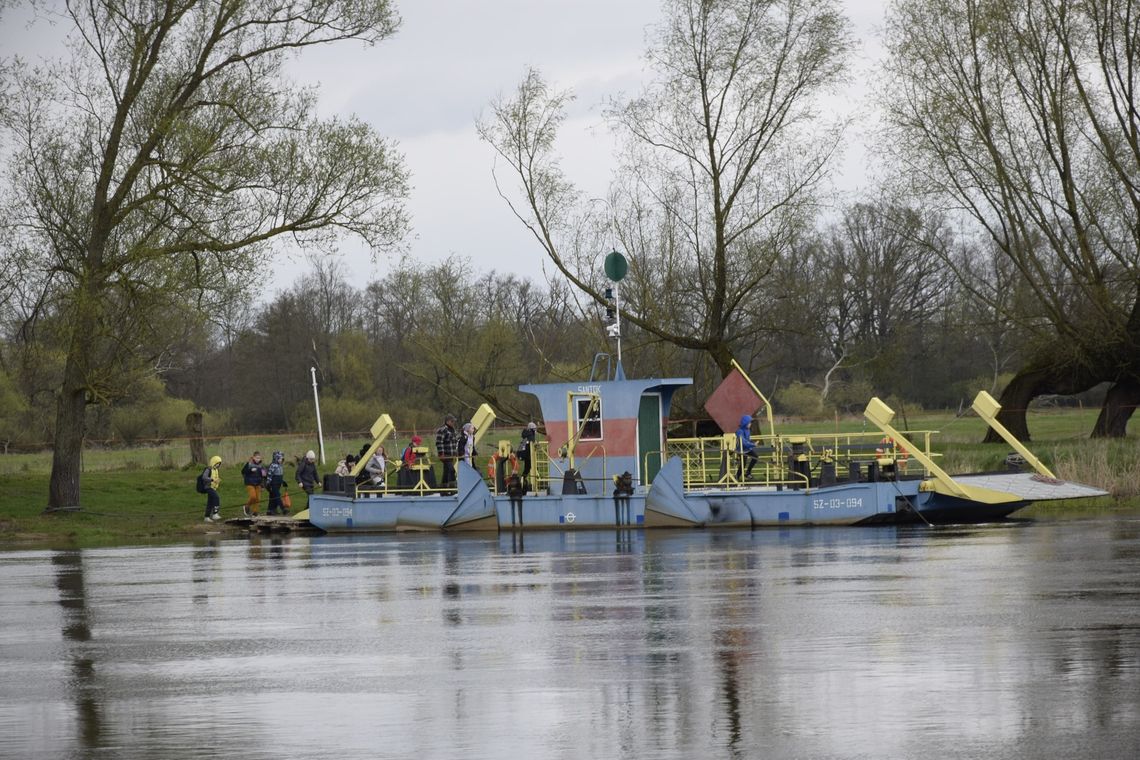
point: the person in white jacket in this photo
(377, 467)
(467, 445)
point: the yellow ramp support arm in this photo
(767, 404)
(987, 408)
(381, 429)
(882, 415)
(483, 418)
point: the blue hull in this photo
(669, 505)
(471, 508)
(572, 511)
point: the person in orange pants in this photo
(253, 474)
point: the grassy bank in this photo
(118, 508)
(147, 494)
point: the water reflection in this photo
(84, 689)
(1018, 642)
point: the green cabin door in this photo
(649, 449)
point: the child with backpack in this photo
(208, 481)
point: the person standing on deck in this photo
(377, 467)
(744, 446)
(526, 452)
(467, 444)
(446, 448)
(253, 474)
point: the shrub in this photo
(851, 397)
(799, 400)
(155, 420)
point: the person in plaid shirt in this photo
(446, 448)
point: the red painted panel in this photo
(619, 437)
(731, 400)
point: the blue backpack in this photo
(205, 480)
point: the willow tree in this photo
(1023, 117)
(723, 153)
(148, 173)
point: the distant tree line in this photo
(861, 306)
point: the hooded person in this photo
(211, 478)
(744, 446)
(274, 480)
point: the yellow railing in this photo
(785, 460)
(543, 464)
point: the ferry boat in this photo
(607, 462)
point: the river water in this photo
(1012, 641)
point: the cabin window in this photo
(591, 426)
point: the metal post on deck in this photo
(616, 267)
(317, 403)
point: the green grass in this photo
(118, 508)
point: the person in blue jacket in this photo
(744, 446)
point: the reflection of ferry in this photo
(600, 430)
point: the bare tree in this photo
(724, 151)
(155, 165)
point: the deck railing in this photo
(790, 461)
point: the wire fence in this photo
(174, 452)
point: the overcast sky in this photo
(426, 86)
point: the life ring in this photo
(887, 443)
(493, 462)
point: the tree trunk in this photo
(721, 353)
(1119, 404)
(70, 428)
(196, 430)
(1030, 382)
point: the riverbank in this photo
(156, 506)
(142, 494)
(119, 508)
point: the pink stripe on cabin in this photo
(620, 439)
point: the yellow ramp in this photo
(483, 418)
(987, 408)
(882, 416)
(381, 430)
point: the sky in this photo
(426, 86)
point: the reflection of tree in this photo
(737, 610)
(77, 629)
(451, 612)
(728, 659)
